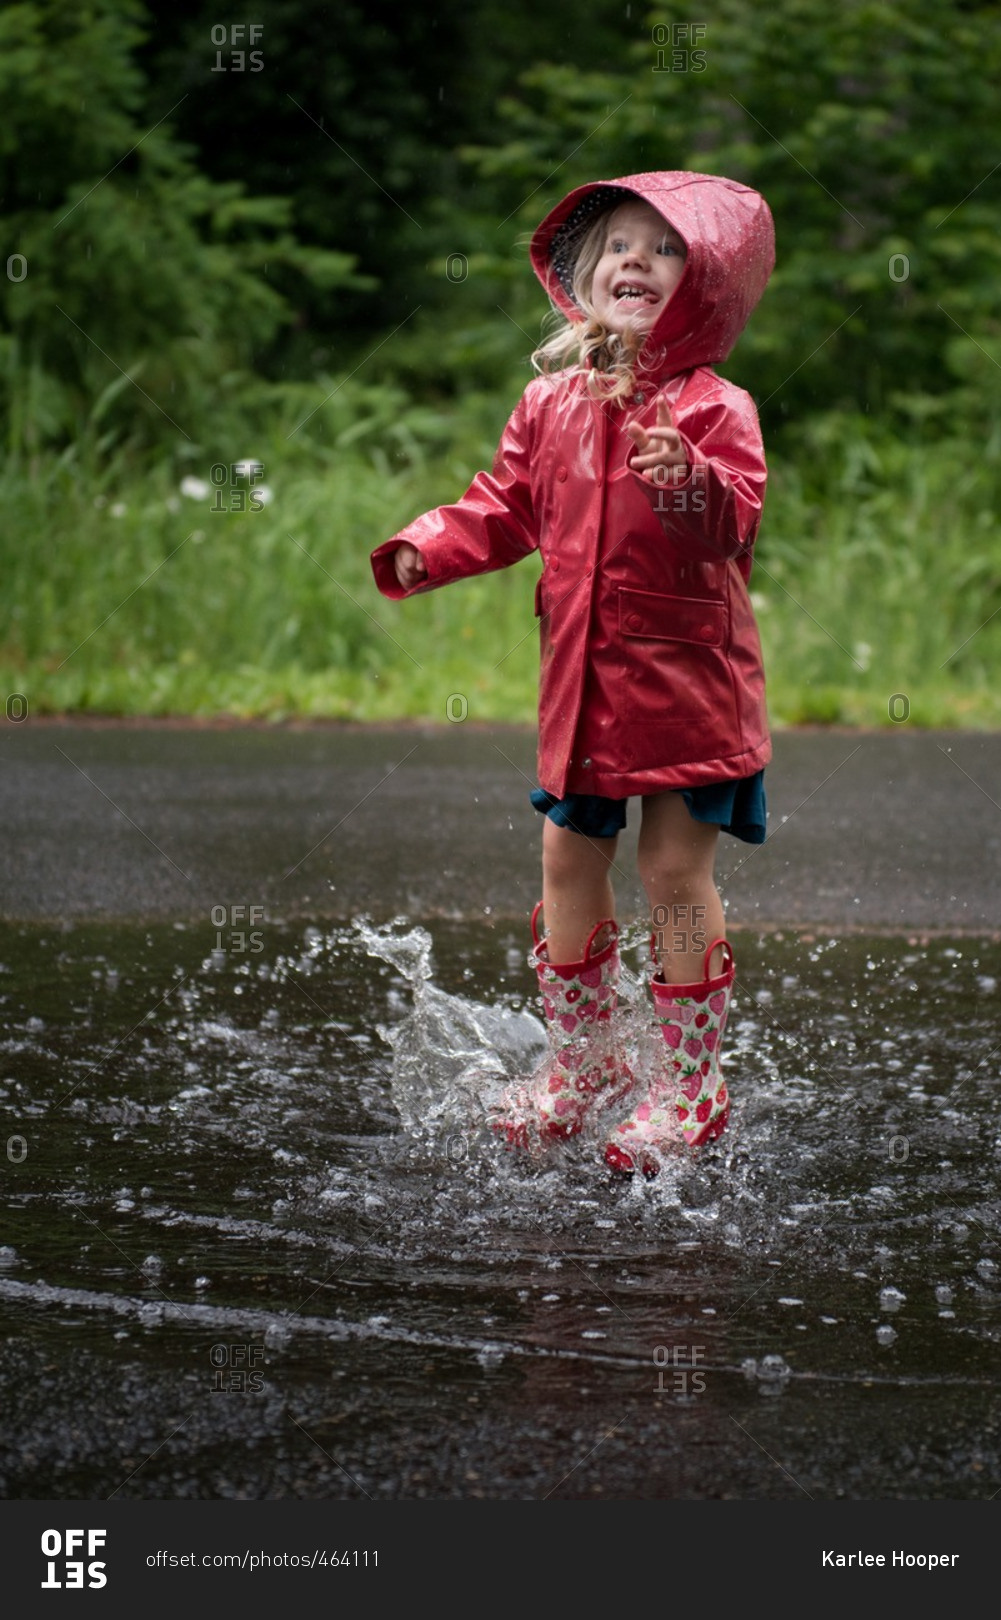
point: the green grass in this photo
(879, 573)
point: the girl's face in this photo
(641, 264)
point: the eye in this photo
(667, 247)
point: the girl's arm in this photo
(491, 526)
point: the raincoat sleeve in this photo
(491, 526)
(715, 513)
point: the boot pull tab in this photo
(727, 957)
(607, 922)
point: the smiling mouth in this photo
(630, 292)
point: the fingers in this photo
(658, 446)
(664, 438)
(410, 566)
(663, 448)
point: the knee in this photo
(561, 859)
(568, 859)
(665, 879)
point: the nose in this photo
(636, 256)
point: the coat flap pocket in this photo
(701, 620)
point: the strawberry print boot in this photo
(690, 1092)
(582, 1068)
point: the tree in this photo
(123, 261)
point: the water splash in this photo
(453, 1057)
(461, 1066)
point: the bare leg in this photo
(576, 888)
(676, 855)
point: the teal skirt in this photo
(737, 807)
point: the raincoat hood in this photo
(728, 231)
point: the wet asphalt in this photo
(892, 831)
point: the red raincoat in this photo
(651, 671)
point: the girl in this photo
(639, 474)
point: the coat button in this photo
(561, 474)
(555, 565)
(586, 764)
(634, 621)
(707, 632)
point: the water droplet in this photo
(772, 1369)
(891, 1299)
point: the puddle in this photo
(258, 1238)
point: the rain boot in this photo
(583, 1069)
(687, 1101)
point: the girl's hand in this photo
(658, 446)
(410, 566)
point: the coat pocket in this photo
(699, 620)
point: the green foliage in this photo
(877, 583)
(129, 262)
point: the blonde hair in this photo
(587, 347)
